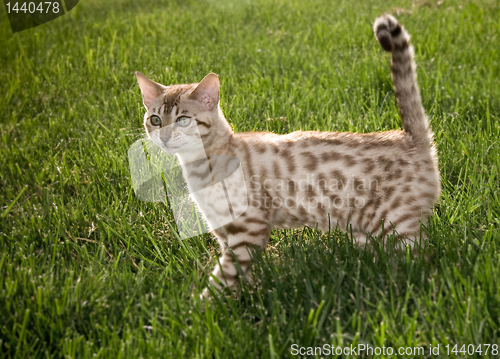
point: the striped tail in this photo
(393, 38)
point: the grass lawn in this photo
(88, 270)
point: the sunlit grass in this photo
(87, 269)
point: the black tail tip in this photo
(388, 32)
(385, 39)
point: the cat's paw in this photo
(390, 33)
(205, 294)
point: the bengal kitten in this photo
(370, 183)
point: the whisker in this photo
(138, 135)
(133, 130)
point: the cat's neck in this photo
(221, 145)
(217, 142)
(193, 154)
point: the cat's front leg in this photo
(237, 240)
(225, 273)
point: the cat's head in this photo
(181, 118)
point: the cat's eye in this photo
(155, 120)
(183, 121)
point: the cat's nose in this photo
(165, 133)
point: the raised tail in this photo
(393, 38)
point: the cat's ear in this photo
(150, 89)
(207, 92)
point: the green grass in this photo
(88, 270)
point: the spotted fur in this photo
(370, 182)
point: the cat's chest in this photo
(217, 185)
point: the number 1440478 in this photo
(471, 349)
(31, 7)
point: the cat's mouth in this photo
(172, 147)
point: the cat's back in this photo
(325, 146)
